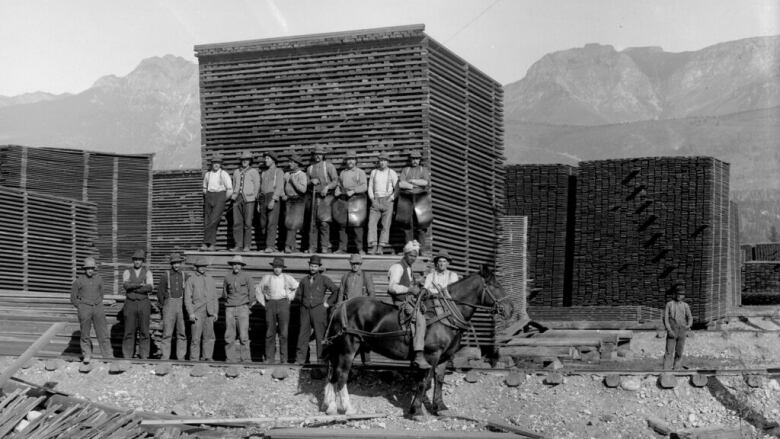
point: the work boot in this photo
(419, 361)
(235, 249)
(379, 250)
(247, 249)
(373, 249)
(288, 249)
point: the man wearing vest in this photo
(217, 188)
(314, 306)
(323, 179)
(275, 291)
(352, 181)
(271, 190)
(294, 196)
(202, 305)
(414, 180)
(86, 295)
(237, 289)
(381, 191)
(403, 289)
(246, 182)
(137, 282)
(170, 295)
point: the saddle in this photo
(429, 305)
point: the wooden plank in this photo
(42, 341)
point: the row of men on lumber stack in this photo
(313, 199)
(194, 297)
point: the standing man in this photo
(237, 289)
(170, 295)
(217, 188)
(354, 283)
(276, 291)
(294, 196)
(352, 181)
(323, 179)
(677, 321)
(246, 181)
(201, 302)
(137, 282)
(381, 191)
(86, 294)
(414, 181)
(271, 190)
(403, 289)
(314, 306)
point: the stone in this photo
(612, 381)
(180, 410)
(162, 369)
(86, 367)
(27, 364)
(660, 333)
(232, 372)
(630, 383)
(279, 373)
(590, 356)
(53, 364)
(773, 385)
(553, 364)
(514, 378)
(699, 380)
(472, 376)
(625, 354)
(199, 370)
(608, 417)
(553, 378)
(667, 381)
(754, 381)
(115, 368)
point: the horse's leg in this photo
(342, 375)
(438, 378)
(329, 397)
(416, 409)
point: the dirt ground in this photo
(581, 407)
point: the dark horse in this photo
(363, 324)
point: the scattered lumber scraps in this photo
(711, 432)
(241, 422)
(498, 424)
(313, 433)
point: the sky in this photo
(66, 45)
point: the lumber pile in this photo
(511, 266)
(621, 313)
(735, 263)
(766, 251)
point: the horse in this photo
(367, 324)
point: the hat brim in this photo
(436, 259)
(174, 261)
(88, 266)
(236, 263)
(277, 265)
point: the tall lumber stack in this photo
(350, 90)
(545, 194)
(512, 263)
(177, 215)
(644, 224)
(118, 185)
(735, 258)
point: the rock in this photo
(773, 385)
(180, 410)
(514, 378)
(232, 372)
(162, 369)
(33, 415)
(625, 354)
(630, 383)
(608, 417)
(21, 425)
(667, 381)
(659, 426)
(699, 380)
(279, 373)
(754, 381)
(553, 378)
(27, 364)
(53, 364)
(120, 366)
(660, 333)
(86, 367)
(692, 419)
(553, 364)
(199, 370)
(472, 376)
(612, 381)
(590, 356)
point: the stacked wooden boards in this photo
(352, 90)
(511, 265)
(118, 185)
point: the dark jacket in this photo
(87, 290)
(311, 291)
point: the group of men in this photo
(194, 298)
(309, 198)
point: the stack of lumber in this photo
(735, 262)
(511, 266)
(118, 185)
(761, 277)
(766, 251)
(545, 194)
(45, 239)
(644, 224)
(747, 252)
(616, 313)
(352, 90)
(563, 343)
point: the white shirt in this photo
(217, 182)
(147, 281)
(382, 183)
(394, 275)
(436, 281)
(273, 287)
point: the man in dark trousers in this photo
(137, 282)
(413, 181)
(314, 308)
(271, 190)
(323, 179)
(352, 181)
(86, 295)
(217, 188)
(246, 185)
(170, 296)
(295, 185)
(202, 304)
(677, 321)
(275, 291)
(355, 283)
(237, 290)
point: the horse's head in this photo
(493, 294)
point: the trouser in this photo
(321, 228)
(415, 233)
(381, 210)
(237, 318)
(137, 315)
(173, 322)
(418, 332)
(243, 215)
(93, 315)
(311, 318)
(675, 344)
(202, 329)
(269, 219)
(294, 210)
(357, 237)
(213, 208)
(277, 320)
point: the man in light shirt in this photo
(677, 321)
(437, 281)
(275, 291)
(246, 182)
(352, 181)
(217, 188)
(381, 191)
(294, 196)
(137, 283)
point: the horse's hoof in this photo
(350, 411)
(332, 411)
(443, 412)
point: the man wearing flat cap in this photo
(271, 190)
(352, 182)
(314, 308)
(275, 291)
(414, 181)
(294, 196)
(238, 292)
(677, 322)
(382, 185)
(323, 180)
(138, 284)
(202, 304)
(246, 184)
(170, 296)
(355, 283)
(86, 294)
(217, 188)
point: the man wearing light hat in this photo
(237, 289)
(415, 180)
(314, 305)
(355, 283)
(170, 296)
(323, 179)
(437, 281)
(275, 291)
(677, 322)
(382, 184)
(271, 190)
(201, 303)
(403, 288)
(86, 294)
(246, 182)
(217, 188)
(294, 196)
(352, 181)
(138, 284)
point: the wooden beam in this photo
(262, 420)
(42, 341)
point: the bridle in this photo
(485, 290)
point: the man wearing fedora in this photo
(217, 188)
(323, 179)
(414, 180)
(355, 283)
(275, 291)
(437, 281)
(314, 304)
(246, 182)
(86, 294)
(352, 181)
(237, 291)
(294, 196)
(677, 322)
(138, 284)
(201, 303)
(271, 190)
(382, 184)
(170, 296)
